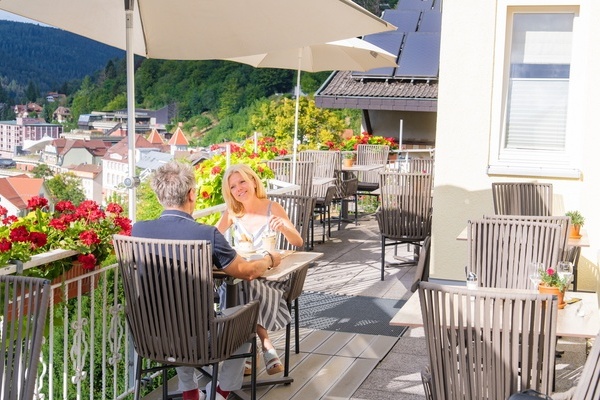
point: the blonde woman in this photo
(251, 215)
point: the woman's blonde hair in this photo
(248, 174)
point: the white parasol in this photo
(348, 54)
(198, 30)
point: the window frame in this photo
(520, 162)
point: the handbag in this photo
(529, 394)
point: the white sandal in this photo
(272, 362)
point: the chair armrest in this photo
(426, 379)
(235, 329)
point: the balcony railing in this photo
(86, 352)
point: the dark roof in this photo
(344, 91)
(413, 84)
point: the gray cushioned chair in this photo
(169, 305)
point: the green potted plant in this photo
(551, 282)
(349, 157)
(577, 221)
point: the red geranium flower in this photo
(38, 239)
(58, 223)
(19, 234)
(88, 261)
(89, 238)
(10, 219)
(114, 208)
(64, 205)
(5, 245)
(36, 202)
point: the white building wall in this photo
(467, 119)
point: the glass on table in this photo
(472, 282)
(565, 271)
(535, 268)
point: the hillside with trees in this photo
(46, 59)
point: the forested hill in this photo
(48, 57)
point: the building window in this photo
(534, 137)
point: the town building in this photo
(14, 133)
(15, 191)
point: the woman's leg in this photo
(272, 362)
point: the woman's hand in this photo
(277, 223)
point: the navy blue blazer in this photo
(178, 225)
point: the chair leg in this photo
(329, 220)
(382, 257)
(138, 378)
(253, 374)
(215, 380)
(297, 323)
(165, 385)
(286, 368)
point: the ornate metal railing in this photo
(86, 352)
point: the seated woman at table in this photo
(252, 215)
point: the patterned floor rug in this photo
(353, 314)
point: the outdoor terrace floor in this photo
(336, 363)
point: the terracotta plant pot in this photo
(575, 231)
(72, 289)
(348, 162)
(554, 290)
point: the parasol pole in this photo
(295, 147)
(130, 104)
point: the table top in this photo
(569, 323)
(322, 181)
(358, 168)
(583, 241)
(291, 261)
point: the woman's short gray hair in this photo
(172, 182)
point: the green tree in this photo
(66, 186)
(32, 92)
(316, 126)
(82, 99)
(148, 206)
(42, 171)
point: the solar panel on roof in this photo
(389, 41)
(404, 20)
(415, 5)
(431, 22)
(420, 57)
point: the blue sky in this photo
(12, 17)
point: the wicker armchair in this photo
(405, 211)
(500, 251)
(370, 154)
(24, 304)
(299, 210)
(522, 198)
(169, 306)
(304, 174)
(486, 344)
